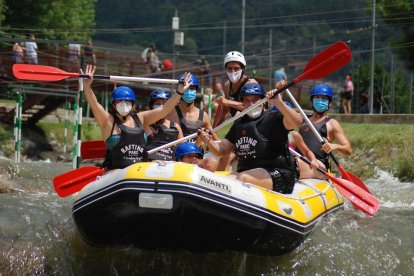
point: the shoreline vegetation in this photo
(389, 147)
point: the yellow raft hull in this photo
(177, 206)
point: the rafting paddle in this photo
(93, 149)
(73, 181)
(49, 74)
(319, 66)
(361, 199)
(345, 174)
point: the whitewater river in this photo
(38, 236)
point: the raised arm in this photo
(102, 117)
(151, 116)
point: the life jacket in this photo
(257, 146)
(130, 148)
(189, 127)
(162, 135)
(236, 96)
(313, 143)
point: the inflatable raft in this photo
(177, 206)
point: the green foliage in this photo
(400, 14)
(58, 19)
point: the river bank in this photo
(389, 147)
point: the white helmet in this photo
(234, 56)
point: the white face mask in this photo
(124, 108)
(255, 112)
(235, 76)
(156, 106)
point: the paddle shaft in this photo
(115, 78)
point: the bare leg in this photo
(259, 177)
(344, 106)
(349, 106)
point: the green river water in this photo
(38, 237)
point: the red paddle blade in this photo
(353, 178)
(40, 73)
(93, 149)
(361, 199)
(326, 62)
(216, 116)
(73, 181)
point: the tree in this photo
(57, 19)
(400, 14)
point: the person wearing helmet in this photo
(189, 152)
(235, 65)
(187, 115)
(163, 131)
(122, 127)
(260, 139)
(329, 128)
(191, 118)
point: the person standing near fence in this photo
(18, 53)
(31, 50)
(89, 54)
(347, 94)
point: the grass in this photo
(387, 146)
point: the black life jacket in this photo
(161, 136)
(312, 142)
(236, 96)
(257, 146)
(189, 127)
(131, 146)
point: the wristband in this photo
(176, 91)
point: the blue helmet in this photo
(323, 90)
(159, 94)
(252, 89)
(287, 103)
(123, 93)
(185, 149)
(193, 80)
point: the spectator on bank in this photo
(89, 54)
(31, 50)
(146, 57)
(280, 74)
(203, 69)
(18, 53)
(347, 93)
(74, 51)
(154, 62)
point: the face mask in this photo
(255, 112)
(189, 95)
(124, 108)
(320, 105)
(235, 76)
(156, 106)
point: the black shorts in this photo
(347, 95)
(283, 180)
